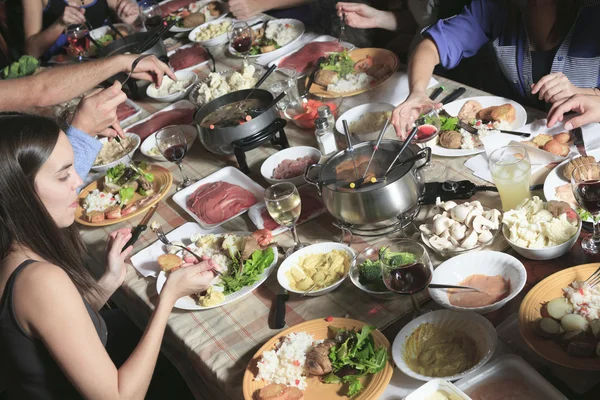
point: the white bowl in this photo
(292, 153)
(474, 325)
(292, 261)
(431, 387)
(125, 159)
(152, 91)
(547, 253)
(491, 263)
(190, 132)
(217, 40)
(355, 113)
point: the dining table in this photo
(212, 348)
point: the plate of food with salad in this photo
(487, 114)
(331, 358)
(195, 14)
(123, 193)
(348, 73)
(242, 261)
(270, 36)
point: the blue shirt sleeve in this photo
(86, 149)
(463, 35)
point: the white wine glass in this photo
(284, 205)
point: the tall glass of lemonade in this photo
(511, 170)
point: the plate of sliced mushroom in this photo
(460, 228)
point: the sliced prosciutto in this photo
(124, 111)
(216, 202)
(185, 58)
(178, 116)
(304, 58)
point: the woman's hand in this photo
(115, 256)
(127, 11)
(245, 9)
(363, 16)
(72, 15)
(187, 280)
(588, 106)
(403, 116)
(96, 114)
(554, 87)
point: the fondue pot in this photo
(129, 44)
(371, 203)
(219, 139)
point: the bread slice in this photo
(169, 262)
(505, 112)
(577, 162)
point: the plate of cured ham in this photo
(219, 197)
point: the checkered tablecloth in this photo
(212, 348)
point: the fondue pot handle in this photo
(424, 153)
(308, 179)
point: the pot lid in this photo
(341, 165)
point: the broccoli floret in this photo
(369, 275)
(396, 259)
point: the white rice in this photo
(285, 364)
(281, 33)
(99, 201)
(351, 83)
(585, 300)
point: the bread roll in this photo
(556, 148)
(574, 163)
(562, 137)
(169, 262)
(541, 139)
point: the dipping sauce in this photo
(438, 352)
(493, 289)
(503, 389)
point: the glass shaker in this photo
(325, 112)
(325, 137)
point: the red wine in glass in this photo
(408, 279)
(153, 22)
(587, 194)
(426, 131)
(242, 44)
(175, 153)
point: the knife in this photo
(579, 143)
(454, 95)
(137, 231)
(282, 297)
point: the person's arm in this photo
(46, 301)
(362, 16)
(588, 106)
(38, 41)
(556, 87)
(126, 10)
(60, 84)
(85, 148)
(245, 9)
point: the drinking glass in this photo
(171, 142)
(241, 36)
(511, 170)
(285, 80)
(77, 38)
(407, 278)
(151, 14)
(585, 182)
(284, 205)
(427, 122)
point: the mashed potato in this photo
(112, 151)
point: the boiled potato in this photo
(559, 307)
(574, 322)
(305, 284)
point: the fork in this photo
(133, 65)
(594, 279)
(474, 131)
(342, 37)
(161, 236)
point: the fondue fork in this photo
(442, 286)
(410, 137)
(350, 147)
(260, 82)
(376, 147)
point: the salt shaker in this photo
(325, 112)
(325, 137)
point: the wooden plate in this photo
(379, 56)
(162, 179)
(548, 289)
(373, 386)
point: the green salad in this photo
(448, 123)
(25, 66)
(340, 63)
(251, 272)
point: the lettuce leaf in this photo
(251, 272)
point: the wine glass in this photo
(284, 205)
(585, 182)
(409, 273)
(151, 14)
(171, 142)
(427, 122)
(241, 37)
(77, 38)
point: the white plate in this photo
(299, 25)
(190, 132)
(292, 261)
(180, 104)
(138, 111)
(491, 263)
(512, 366)
(228, 174)
(477, 327)
(434, 386)
(212, 42)
(224, 11)
(555, 179)
(193, 67)
(486, 101)
(145, 260)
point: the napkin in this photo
(591, 136)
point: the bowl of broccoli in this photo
(365, 273)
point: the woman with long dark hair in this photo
(52, 337)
